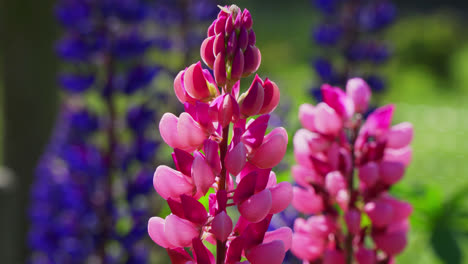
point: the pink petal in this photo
(369, 173)
(337, 99)
(168, 130)
(392, 243)
(380, 212)
(353, 221)
(202, 175)
(307, 116)
(403, 155)
(358, 90)
(253, 136)
(281, 195)
(180, 232)
(327, 120)
(190, 132)
(335, 182)
(206, 51)
(256, 207)
(391, 172)
(306, 201)
(252, 58)
(267, 253)
(304, 176)
(272, 150)
(156, 232)
(237, 65)
(221, 226)
(251, 102)
(283, 234)
(235, 159)
(306, 247)
(195, 83)
(170, 183)
(212, 155)
(219, 69)
(271, 97)
(194, 211)
(400, 135)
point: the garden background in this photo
(428, 82)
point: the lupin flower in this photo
(235, 172)
(349, 164)
(348, 28)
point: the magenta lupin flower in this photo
(235, 171)
(346, 166)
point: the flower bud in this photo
(237, 67)
(219, 69)
(202, 174)
(252, 60)
(353, 221)
(334, 182)
(271, 97)
(235, 159)
(391, 243)
(358, 90)
(243, 40)
(221, 226)
(252, 101)
(206, 51)
(246, 21)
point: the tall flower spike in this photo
(235, 171)
(337, 149)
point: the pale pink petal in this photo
(326, 120)
(307, 116)
(403, 155)
(190, 133)
(358, 90)
(168, 130)
(400, 135)
(180, 232)
(170, 183)
(281, 195)
(156, 232)
(306, 201)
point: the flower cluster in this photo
(235, 172)
(351, 28)
(334, 144)
(91, 197)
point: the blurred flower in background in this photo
(92, 194)
(350, 38)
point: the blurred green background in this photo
(428, 78)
